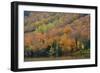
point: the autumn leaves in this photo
(57, 35)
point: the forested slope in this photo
(56, 34)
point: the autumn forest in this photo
(56, 36)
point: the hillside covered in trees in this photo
(56, 36)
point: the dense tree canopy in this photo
(58, 34)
